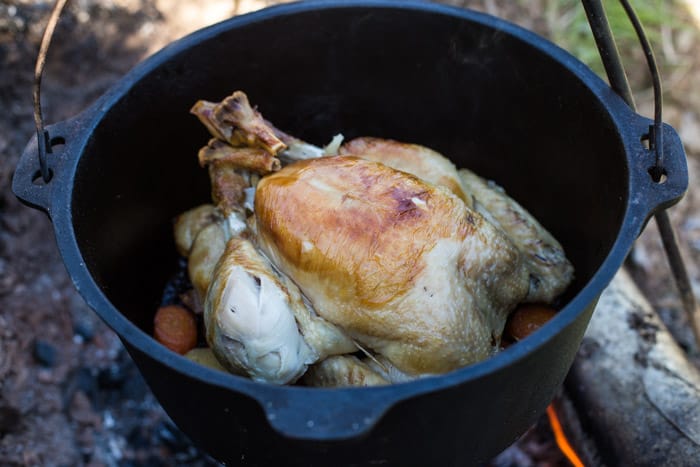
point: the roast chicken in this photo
(368, 262)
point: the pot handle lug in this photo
(327, 414)
(662, 187)
(28, 185)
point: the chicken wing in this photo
(249, 321)
(550, 270)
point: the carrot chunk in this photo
(527, 319)
(175, 328)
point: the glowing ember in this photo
(561, 439)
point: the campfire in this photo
(631, 397)
(561, 438)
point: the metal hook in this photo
(43, 139)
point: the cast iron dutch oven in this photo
(491, 96)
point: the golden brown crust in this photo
(417, 160)
(404, 267)
(372, 231)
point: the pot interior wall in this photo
(484, 98)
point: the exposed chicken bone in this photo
(234, 121)
(228, 186)
(255, 160)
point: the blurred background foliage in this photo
(670, 26)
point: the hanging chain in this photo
(43, 139)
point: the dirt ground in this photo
(64, 397)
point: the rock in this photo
(84, 329)
(81, 410)
(85, 380)
(44, 353)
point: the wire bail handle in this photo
(42, 135)
(618, 81)
(596, 18)
(616, 74)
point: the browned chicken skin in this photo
(420, 161)
(386, 249)
(404, 267)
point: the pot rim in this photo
(634, 214)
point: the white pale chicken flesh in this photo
(375, 247)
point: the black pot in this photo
(492, 96)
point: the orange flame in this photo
(560, 438)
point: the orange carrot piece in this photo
(175, 328)
(527, 319)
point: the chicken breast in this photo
(417, 160)
(402, 266)
(550, 270)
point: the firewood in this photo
(633, 386)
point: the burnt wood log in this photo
(633, 387)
